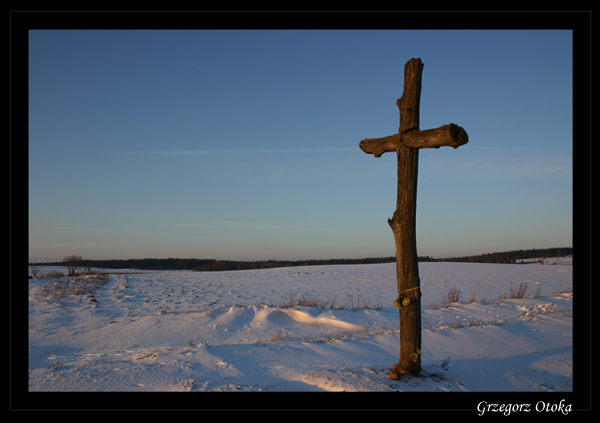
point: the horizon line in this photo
(316, 259)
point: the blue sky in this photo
(244, 144)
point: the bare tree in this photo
(35, 269)
(72, 263)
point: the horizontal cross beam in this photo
(450, 135)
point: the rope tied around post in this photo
(404, 300)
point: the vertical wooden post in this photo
(403, 224)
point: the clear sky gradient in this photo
(244, 144)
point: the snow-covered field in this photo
(329, 328)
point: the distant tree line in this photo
(509, 256)
(220, 265)
(211, 265)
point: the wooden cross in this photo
(406, 143)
